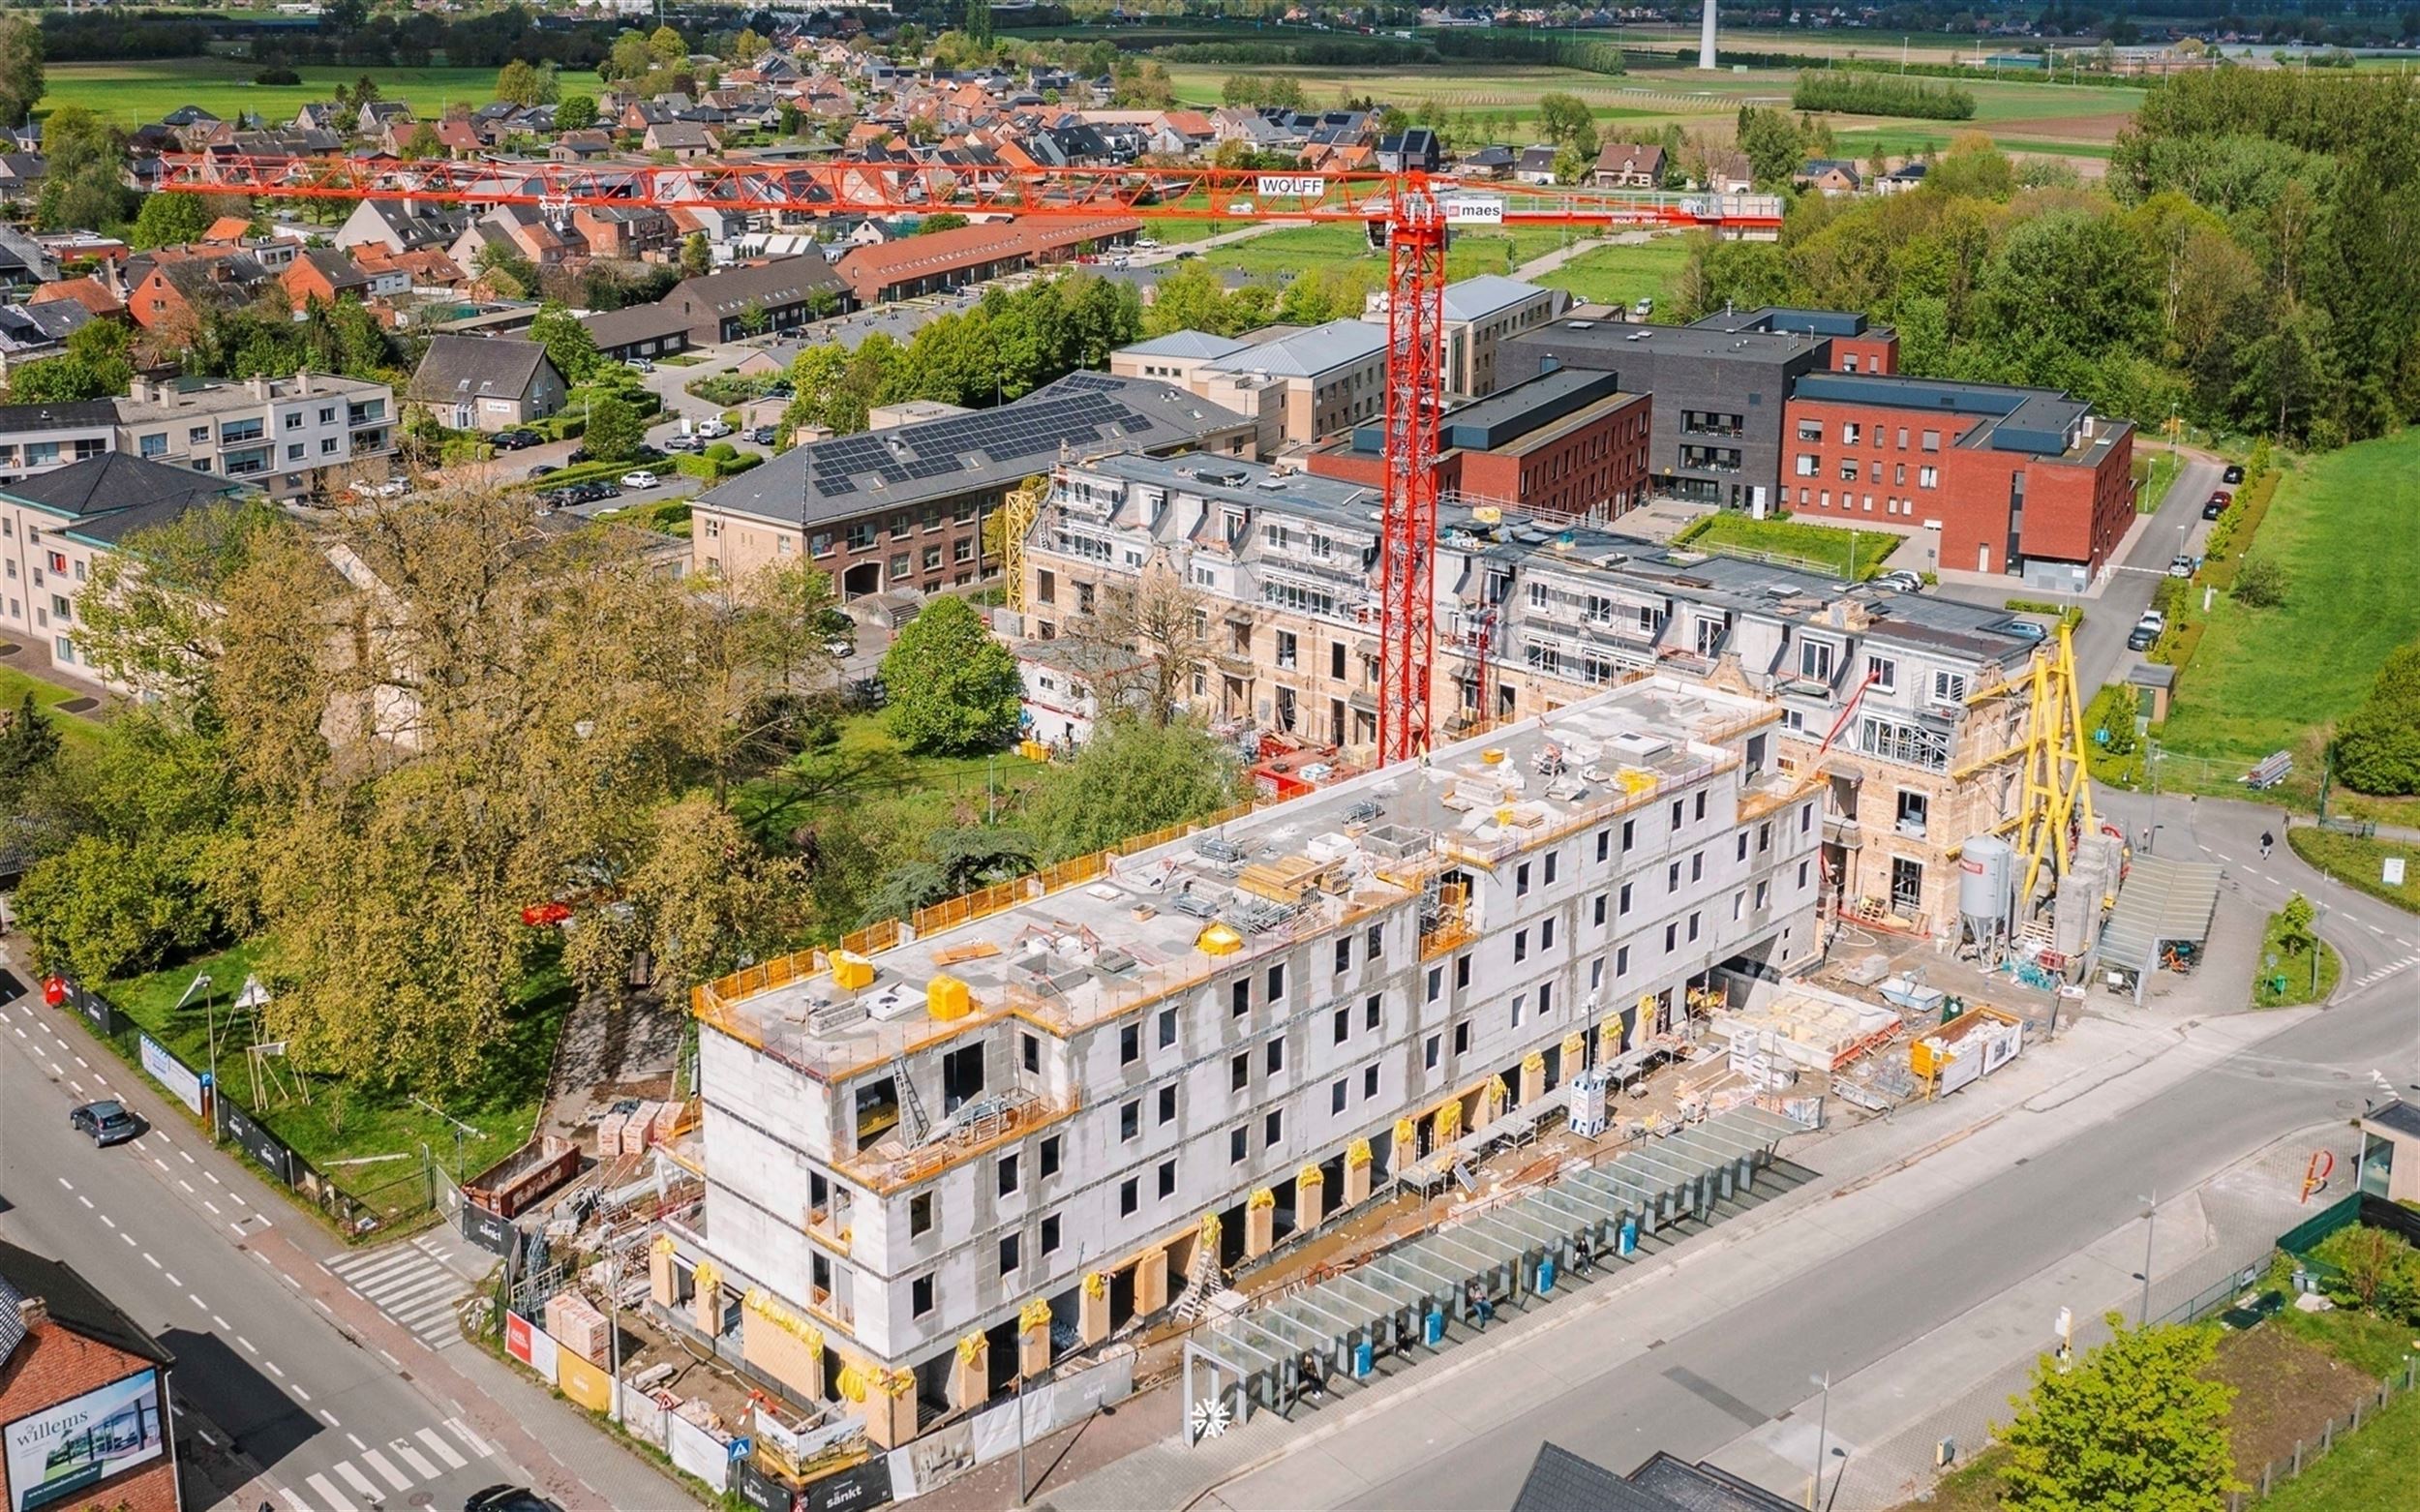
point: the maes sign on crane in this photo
(1417, 212)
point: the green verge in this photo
(2365, 1471)
(78, 730)
(866, 764)
(2358, 862)
(2291, 982)
(1623, 275)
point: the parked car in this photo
(640, 365)
(2234, 472)
(602, 488)
(1900, 577)
(108, 1122)
(679, 442)
(713, 428)
(1146, 243)
(514, 440)
(508, 1499)
(642, 478)
(2139, 638)
(2180, 566)
(544, 469)
(394, 488)
(2215, 507)
(2027, 630)
(1642, 308)
(766, 435)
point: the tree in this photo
(616, 429)
(979, 23)
(1974, 166)
(1774, 145)
(28, 745)
(756, 655)
(953, 689)
(2377, 745)
(2297, 925)
(747, 46)
(667, 45)
(568, 344)
(576, 113)
(1161, 625)
(1132, 777)
(518, 84)
(1566, 122)
(423, 142)
(2132, 1427)
(148, 618)
(697, 256)
(80, 188)
(171, 220)
(942, 221)
(630, 58)
(93, 364)
(21, 80)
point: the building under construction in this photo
(1008, 1130)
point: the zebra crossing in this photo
(399, 1465)
(411, 1284)
(2386, 971)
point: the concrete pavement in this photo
(296, 1391)
(1995, 1199)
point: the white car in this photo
(1146, 243)
(639, 479)
(712, 430)
(394, 488)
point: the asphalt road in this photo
(1710, 1384)
(160, 1227)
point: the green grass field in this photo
(866, 763)
(2290, 981)
(133, 94)
(74, 729)
(1824, 548)
(1623, 274)
(344, 1130)
(2367, 1469)
(2359, 863)
(1289, 249)
(2273, 679)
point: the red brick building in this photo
(2022, 481)
(83, 1396)
(1568, 443)
(939, 261)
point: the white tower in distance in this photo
(1706, 40)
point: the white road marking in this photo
(156, 1160)
(239, 1229)
(294, 1501)
(108, 1221)
(329, 1494)
(189, 1160)
(220, 1322)
(356, 1439)
(477, 1445)
(78, 1085)
(247, 1344)
(214, 1178)
(55, 1071)
(390, 1359)
(304, 1395)
(148, 1261)
(21, 1034)
(81, 1061)
(273, 1370)
(385, 1469)
(329, 1418)
(69, 1185)
(420, 1464)
(442, 1449)
(128, 1238)
(198, 1302)
(172, 1280)
(80, 1197)
(187, 1185)
(213, 1207)
(356, 1479)
(324, 1306)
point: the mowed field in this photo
(2342, 526)
(2059, 119)
(133, 94)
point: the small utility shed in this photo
(2163, 902)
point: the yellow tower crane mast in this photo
(1017, 517)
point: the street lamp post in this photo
(2318, 945)
(1822, 1439)
(2151, 1226)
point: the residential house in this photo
(401, 224)
(779, 295)
(684, 140)
(1899, 180)
(942, 261)
(1486, 163)
(631, 232)
(1829, 176)
(84, 1391)
(322, 115)
(375, 116)
(35, 439)
(486, 384)
(173, 299)
(640, 331)
(1627, 164)
(20, 177)
(1070, 683)
(284, 435)
(1413, 151)
(1535, 165)
(522, 232)
(581, 146)
(325, 273)
(36, 329)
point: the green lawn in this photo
(1623, 275)
(1824, 548)
(2153, 472)
(2359, 863)
(1289, 249)
(865, 764)
(136, 93)
(341, 1124)
(2275, 680)
(74, 729)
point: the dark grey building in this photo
(1715, 434)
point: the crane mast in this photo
(1417, 210)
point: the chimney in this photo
(32, 1312)
(259, 384)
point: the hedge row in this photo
(1858, 93)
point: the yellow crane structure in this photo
(2057, 789)
(1017, 513)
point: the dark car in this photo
(2139, 638)
(2214, 508)
(108, 1122)
(2234, 472)
(602, 488)
(764, 435)
(543, 469)
(514, 441)
(508, 1499)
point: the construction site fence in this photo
(2308, 1452)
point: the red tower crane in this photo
(1417, 210)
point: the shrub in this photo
(277, 74)
(2377, 745)
(1860, 93)
(2261, 584)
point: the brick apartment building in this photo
(1568, 443)
(2025, 482)
(83, 1395)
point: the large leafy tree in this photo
(21, 80)
(2132, 1427)
(1132, 777)
(2377, 745)
(568, 344)
(171, 220)
(952, 688)
(80, 187)
(92, 363)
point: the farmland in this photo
(130, 94)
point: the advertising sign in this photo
(172, 1074)
(1474, 210)
(257, 1142)
(517, 1333)
(864, 1485)
(486, 1230)
(1290, 186)
(59, 1454)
